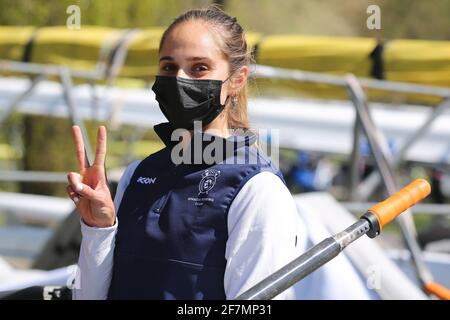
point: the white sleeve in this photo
(95, 262)
(265, 233)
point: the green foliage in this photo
(48, 146)
(399, 18)
(114, 13)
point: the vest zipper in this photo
(164, 199)
(162, 202)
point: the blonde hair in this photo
(233, 47)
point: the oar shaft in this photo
(305, 264)
(371, 223)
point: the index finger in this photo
(79, 147)
(100, 152)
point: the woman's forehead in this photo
(191, 39)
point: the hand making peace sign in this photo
(89, 188)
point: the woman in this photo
(202, 230)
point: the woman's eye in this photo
(167, 68)
(200, 68)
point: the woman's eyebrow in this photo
(166, 58)
(189, 59)
(198, 58)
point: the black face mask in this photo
(183, 101)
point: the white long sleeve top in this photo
(265, 232)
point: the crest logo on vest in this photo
(208, 181)
(146, 180)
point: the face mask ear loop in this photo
(226, 100)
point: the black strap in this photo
(376, 56)
(28, 49)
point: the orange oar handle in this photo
(389, 209)
(438, 290)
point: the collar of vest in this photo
(164, 131)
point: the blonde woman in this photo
(188, 230)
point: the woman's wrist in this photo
(100, 224)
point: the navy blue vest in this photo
(172, 232)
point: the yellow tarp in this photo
(82, 49)
(142, 57)
(418, 61)
(78, 49)
(13, 41)
(318, 54)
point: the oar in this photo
(371, 223)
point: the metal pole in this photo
(405, 222)
(314, 77)
(33, 176)
(120, 55)
(354, 160)
(373, 180)
(259, 71)
(94, 101)
(358, 99)
(48, 69)
(11, 108)
(66, 82)
(437, 111)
